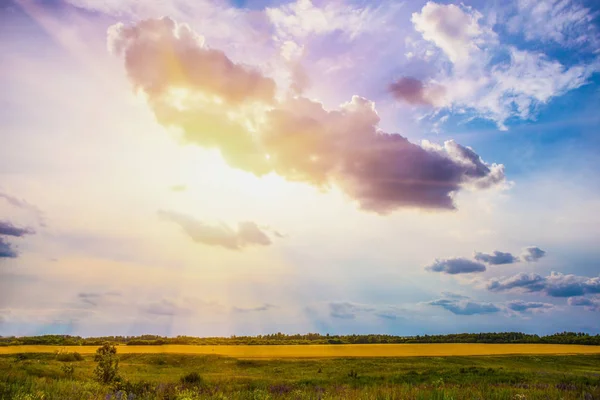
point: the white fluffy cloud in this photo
(493, 80)
(454, 29)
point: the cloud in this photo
(160, 53)
(454, 29)
(497, 258)
(588, 304)
(455, 266)
(525, 306)
(219, 104)
(247, 233)
(347, 310)
(95, 298)
(465, 307)
(302, 18)
(554, 285)
(413, 91)
(264, 307)
(24, 205)
(6, 250)
(488, 78)
(8, 229)
(532, 254)
(166, 307)
(566, 22)
(350, 310)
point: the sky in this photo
(217, 168)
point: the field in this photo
(316, 351)
(307, 372)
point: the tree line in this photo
(309, 338)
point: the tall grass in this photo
(178, 376)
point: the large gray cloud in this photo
(554, 285)
(6, 250)
(532, 254)
(208, 97)
(455, 266)
(465, 307)
(496, 258)
(247, 233)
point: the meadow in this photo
(166, 374)
(315, 351)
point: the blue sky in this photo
(246, 167)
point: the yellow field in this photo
(324, 351)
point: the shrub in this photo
(107, 370)
(68, 370)
(193, 378)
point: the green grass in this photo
(173, 376)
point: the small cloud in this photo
(465, 306)
(525, 306)
(8, 229)
(6, 250)
(264, 307)
(496, 258)
(455, 266)
(532, 254)
(24, 205)
(347, 310)
(588, 304)
(166, 307)
(94, 298)
(247, 234)
(413, 91)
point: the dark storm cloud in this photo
(554, 285)
(455, 266)
(247, 233)
(295, 138)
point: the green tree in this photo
(107, 370)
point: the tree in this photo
(107, 370)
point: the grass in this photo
(327, 351)
(195, 376)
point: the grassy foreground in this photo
(171, 376)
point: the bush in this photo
(68, 370)
(107, 370)
(193, 378)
